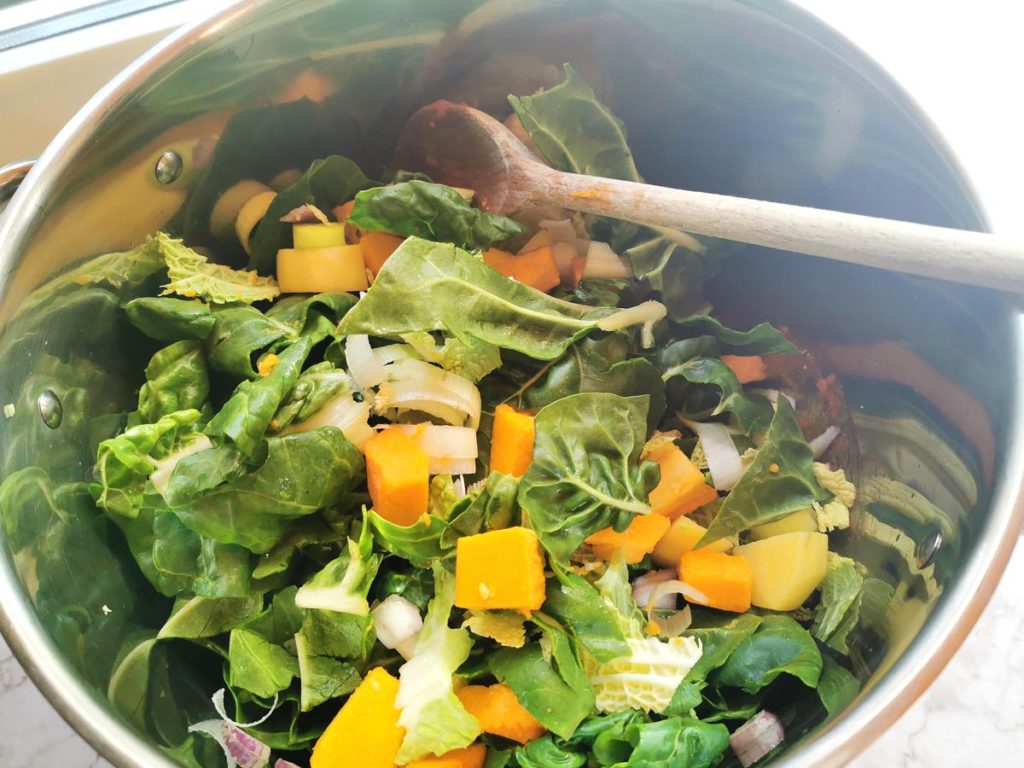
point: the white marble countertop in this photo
(963, 67)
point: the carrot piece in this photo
(747, 368)
(499, 712)
(578, 264)
(377, 249)
(682, 488)
(365, 732)
(536, 268)
(397, 472)
(637, 540)
(499, 569)
(511, 441)
(472, 756)
(726, 581)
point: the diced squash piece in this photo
(682, 488)
(336, 269)
(499, 712)
(541, 239)
(511, 441)
(786, 568)
(398, 475)
(682, 537)
(499, 569)
(377, 248)
(472, 756)
(803, 520)
(353, 234)
(748, 368)
(251, 214)
(343, 211)
(365, 732)
(536, 269)
(637, 540)
(318, 235)
(726, 581)
(228, 205)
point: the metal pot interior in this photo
(750, 98)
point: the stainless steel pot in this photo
(739, 96)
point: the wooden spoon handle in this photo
(964, 257)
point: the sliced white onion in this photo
(413, 385)
(218, 706)
(674, 624)
(460, 484)
(723, 459)
(822, 442)
(604, 264)
(647, 313)
(392, 353)
(644, 586)
(451, 450)
(364, 367)
(772, 395)
(398, 624)
(343, 412)
(565, 255)
(677, 587)
(563, 231)
(757, 737)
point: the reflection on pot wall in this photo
(729, 97)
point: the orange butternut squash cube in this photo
(472, 756)
(398, 475)
(377, 249)
(682, 488)
(499, 569)
(498, 711)
(726, 581)
(511, 441)
(365, 732)
(638, 540)
(748, 368)
(536, 269)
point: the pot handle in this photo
(11, 177)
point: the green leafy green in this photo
(176, 380)
(247, 415)
(431, 211)
(847, 600)
(280, 620)
(471, 358)
(191, 274)
(837, 687)
(556, 692)
(343, 584)
(595, 625)
(322, 677)
(239, 332)
(303, 473)
(129, 683)
(201, 617)
(778, 646)
(419, 543)
(493, 506)
(673, 263)
(697, 399)
(779, 481)
(586, 472)
(434, 719)
(428, 286)
(315, 386)
(257, 665)
(546, 752)
(327, 183)
(166, 319)
(676, 741)
(712, 338)
(124, 463)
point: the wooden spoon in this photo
(463, 147)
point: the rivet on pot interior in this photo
(168, 167)
(928, 548)
(50, 409)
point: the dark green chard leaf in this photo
(837, 687)
(280, 621)
(314, 387)
(129, 684)
(303, 473)
(778, 646)
(605, 736)
(600, 365)
(419, 543)
(558, 692)
(339, 635)
(428, 286)
(710, 388)
(848, 599)
(247, 415)
(259, 666)
(124, 463)
(586, 472)
(416, 585)
(322, 677)
(239, 332)
(309, 532)
(494, 506)
(176, 380)
(546, 752)
(676, 741)
(596, 626)
(224, 570)
(328, 183)
(201, 617)
(166, 319)
(717, 339)
(762, 495)
(314, 316)
(431, 211)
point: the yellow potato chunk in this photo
(318, 235)
(804, 520)
(336, 269)
(787, 568)
(681, 538)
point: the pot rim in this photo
(918, 667)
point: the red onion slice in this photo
(279, 763)
(757, 737)
(822, 442)
(240, 749)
